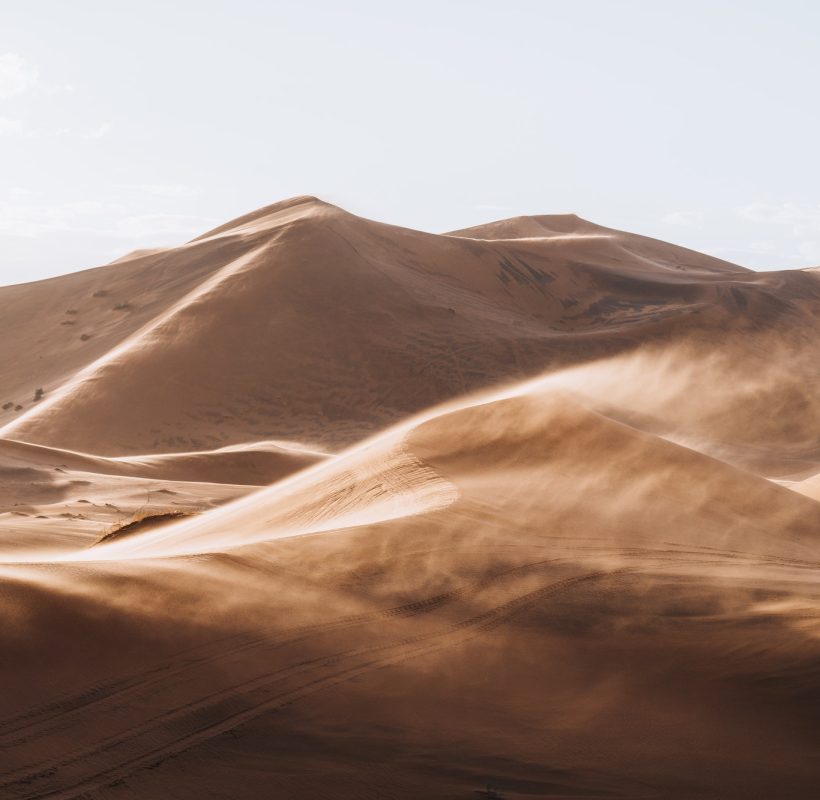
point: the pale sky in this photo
(137, 124)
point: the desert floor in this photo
(318, 507)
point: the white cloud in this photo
(801, 219)
(161, 190)
(15, 75)
(682, 218)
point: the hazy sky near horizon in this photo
(127, 125)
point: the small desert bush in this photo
(140, 520)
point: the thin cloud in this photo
(147, 226)
(19, 129)
(32, 219)
(101, 130)
(810, 251)
(682, 218)
(11, 127)
(491, 207)
(772, 255)
(90, 217)
(161, 189)
(801, 219)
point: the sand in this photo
(524, 510)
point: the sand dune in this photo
(501, 448)
(523, 510)
(61, 498)
(378, 322)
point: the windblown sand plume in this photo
(317, 507)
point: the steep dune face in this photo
(303, 322)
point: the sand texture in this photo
(318, 507)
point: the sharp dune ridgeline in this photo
(313, 506)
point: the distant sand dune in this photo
(303, 322)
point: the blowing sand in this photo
(524, 510)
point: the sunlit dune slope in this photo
(51, 329)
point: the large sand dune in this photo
(524, 510)
(304, 322)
